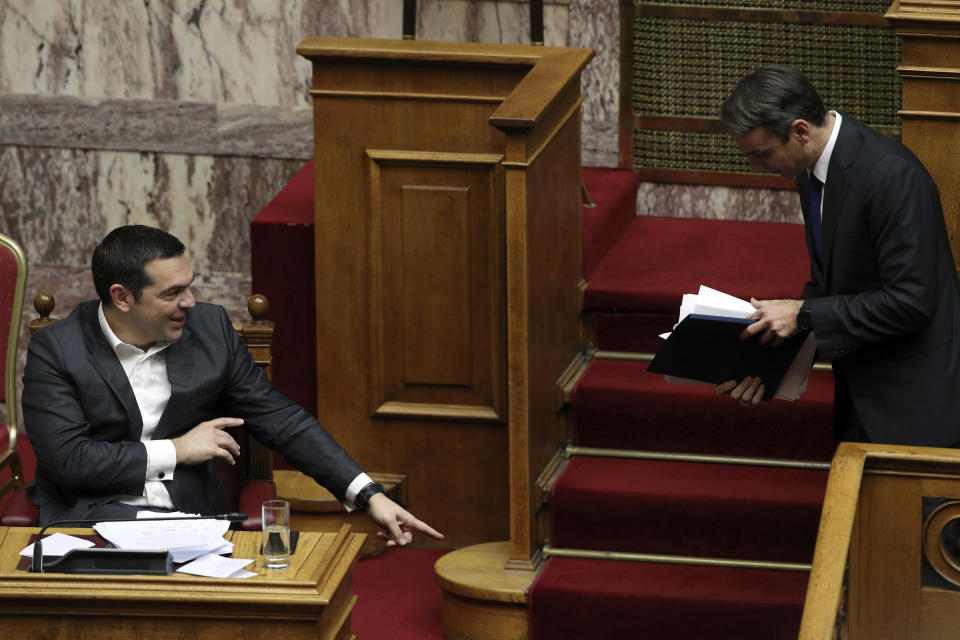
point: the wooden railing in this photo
(886, 564)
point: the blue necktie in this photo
(816, 197)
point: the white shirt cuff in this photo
(161, 460)
(358, 483)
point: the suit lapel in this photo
(181, 371)
(845, 152)
(105, 361)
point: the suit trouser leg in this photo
(847, 426)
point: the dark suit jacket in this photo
(885, 302)
(84, 424)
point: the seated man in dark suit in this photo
(126, 400)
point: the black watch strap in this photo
(362, 501)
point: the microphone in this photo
(36, 566)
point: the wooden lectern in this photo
(931, 95)
(448, 268)
(448, 284)
(311, 599)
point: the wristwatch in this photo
(362, 501)
(804, 322)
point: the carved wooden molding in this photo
(935, 546)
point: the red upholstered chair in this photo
(13, 278)
(248, 484)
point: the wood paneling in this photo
(311, 599)
(447, 237)
(437, 274)
(931, 96)
(874, 514)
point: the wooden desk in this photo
(311, 599)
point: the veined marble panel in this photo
(59, 203)
(177, 126)
(491, 21)
(596, 24)
(200, 50)
(724, 203)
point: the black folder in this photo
(709, 349)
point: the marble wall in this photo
(193, 114)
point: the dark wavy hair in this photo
(121, 258)
(772, 97)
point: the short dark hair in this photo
(121, 258)
(772, 97)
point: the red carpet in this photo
(649, 506)
(618, 404)
(681, 508)
(397, 597)
(657, 260)
(604, 599)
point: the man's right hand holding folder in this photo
(777, 321)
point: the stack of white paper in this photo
(710, 302)
(185, 539)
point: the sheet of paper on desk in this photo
(710, 302)
(214, 566)
(185, 539)
(57, 545)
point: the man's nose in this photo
(188, 300)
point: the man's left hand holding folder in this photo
(777, 321)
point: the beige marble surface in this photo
(721, 203)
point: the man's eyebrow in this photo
(177, 287)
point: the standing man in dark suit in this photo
(126, 400)
(883, 298)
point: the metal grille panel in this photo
(684, 68)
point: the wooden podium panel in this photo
(931, 95)
(311, 599)
(447, 204)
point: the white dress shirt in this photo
(147, 373)
(823, 162)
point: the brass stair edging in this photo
(659, 558)
(638, 356)
(573, 450)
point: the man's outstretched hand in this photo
(396, 523)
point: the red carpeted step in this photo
(578, 599)
(657, 260)
(636, 332)
(618, 404)
(683, 508)
(614, 194)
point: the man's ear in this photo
(122, 297)
(800, 129)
